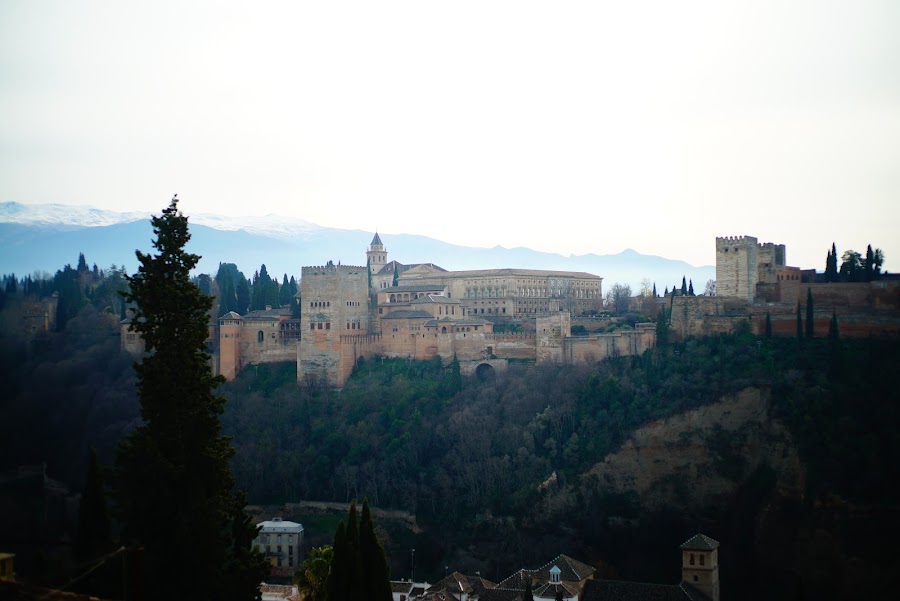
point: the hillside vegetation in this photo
(499, 473)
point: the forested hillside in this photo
(496, 471)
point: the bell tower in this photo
(700, 564)
(376, 255)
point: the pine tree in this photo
(810, 323)
(173, 483)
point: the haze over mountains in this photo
(45, 237)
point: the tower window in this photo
(702, 559)
(692, 559)
(696, 579)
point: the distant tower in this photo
(230, 345)
(737, 267)
(377, 255)
(700, 564)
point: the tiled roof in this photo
(531, 273)
(231, 315)
(517, 581)
(700, 542)
(549, 590)
(279, 525)
(571, 570)
(603, 590)
(434, 298)
(376, 240)
(501, 594)
(400, 586)
(407, 314)
(393, 289)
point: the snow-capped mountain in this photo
(77, 216)
(44, 238)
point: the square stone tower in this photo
(700, 564)
(737, 267)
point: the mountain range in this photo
(45, 237)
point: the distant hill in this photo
(46, 237)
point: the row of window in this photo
(318, 325)
(319, 304)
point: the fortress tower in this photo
(737, 267)
(376, 255)
(700, 564)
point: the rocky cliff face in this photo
(701, 457)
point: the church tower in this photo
(700, 564)
(376, 255)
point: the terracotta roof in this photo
(231, 315)
(700, 542)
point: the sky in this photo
(568, 127)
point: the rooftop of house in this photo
(276, 525)
(601, 590)
(700, 542)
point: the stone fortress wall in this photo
(754, 281)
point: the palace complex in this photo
(487, 318)
(386, 308)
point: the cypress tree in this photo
(527, 594)
(173, 483)
(376, 572)
(799, 323)
(338, 581)
(654, 290)
(833, 333)
(396, 276)
(242, 292)
(810, 323)
(684, 289)
(869, 273)
(662, 329)
(92, 538)
(285, 295)
(691, 288)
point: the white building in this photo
(280, 541)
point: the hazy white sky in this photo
(563, 126)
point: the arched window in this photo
(260, 336)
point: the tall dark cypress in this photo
(768, 325)
(93, 538)
(339, 577)
(172, 475)
(799, 323)
(376, 572)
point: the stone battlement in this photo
(326, 269)
(732, 240)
